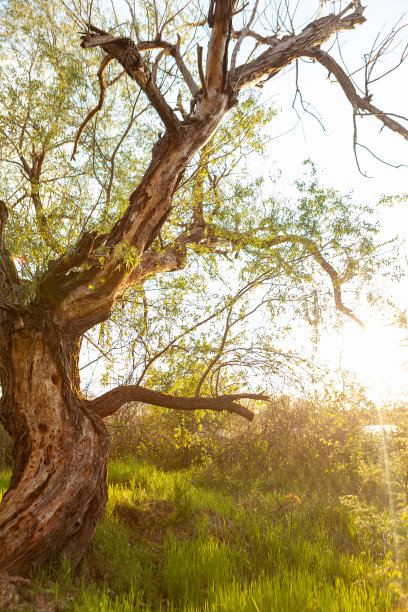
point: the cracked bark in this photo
(58, 489)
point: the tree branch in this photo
(174, 51)
(102, 88)
(8, 271)
(356, 101)
(125, 51)
(219, 19)
(311, 246)
(241, 37)
(108, 403)
(201, 70)
(174, 256)
(335, 277)
(285, 50)
(90, 300)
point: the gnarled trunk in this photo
(58, 489)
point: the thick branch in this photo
(219, 19)
(174, 51)
(289, 48)
(110, 402)
(125, 51)
(174, 256)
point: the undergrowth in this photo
(180, 541)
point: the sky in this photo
(332, 149)
(376, 356)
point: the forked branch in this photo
(125, 51)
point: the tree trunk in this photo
(58, 489)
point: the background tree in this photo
(172, 125)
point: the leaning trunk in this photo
(58, 488)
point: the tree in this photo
(80, 245)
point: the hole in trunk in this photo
(43, 428)
(56, 379)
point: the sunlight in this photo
(378, 358)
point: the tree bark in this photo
(58, 488)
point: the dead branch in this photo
(357, 102)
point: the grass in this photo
(5, 476)
(174, 541)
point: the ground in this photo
(197, 540)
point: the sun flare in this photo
(378, 357)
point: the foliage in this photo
(251, 294)
(319, 441)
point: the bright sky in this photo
(375, 355)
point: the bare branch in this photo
(102, 88)
(292, 47)
(201, 70)
(110, 402)
(241, 38)
(175, 52)
(364, 104)
(263, 40)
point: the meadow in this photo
(224, 534)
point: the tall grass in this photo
(177, 541)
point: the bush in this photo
(312, 444)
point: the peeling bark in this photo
(58, 489)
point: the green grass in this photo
(5, 476)
(173, 541)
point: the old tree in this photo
(118, 150)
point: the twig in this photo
(102, 88)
